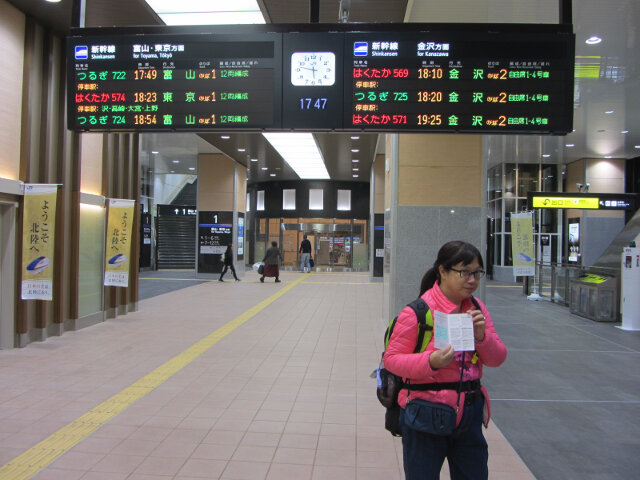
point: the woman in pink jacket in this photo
(451, 425)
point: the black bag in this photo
(311, 262)
(261, 269)
(430, 417)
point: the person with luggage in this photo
(442, 415)
(228, 263)
(305, 250)
(271, 262)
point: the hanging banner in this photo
(38, 236)
(118, 244)
(522, 244)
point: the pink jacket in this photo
(400, 359)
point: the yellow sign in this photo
(522, 244)
(593, 278)
(566, 202)
(118, 244)
(38, 234)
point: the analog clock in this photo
(313, 69)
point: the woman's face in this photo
(457, 286)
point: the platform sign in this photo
(472, 78)
(584, 201)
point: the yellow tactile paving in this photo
(30, 462)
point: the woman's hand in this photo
(478, 324)
(441, 358)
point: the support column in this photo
(434, 195)
(222, 190)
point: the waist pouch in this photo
(429, 417)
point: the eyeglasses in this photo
(467, 275)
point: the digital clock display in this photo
(468, 78)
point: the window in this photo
(260, 200)
(315, 199)
(289, 199)
(344, 199)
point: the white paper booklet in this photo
(455, 329)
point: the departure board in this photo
(458, 81)
(469, 78)
(174, 82)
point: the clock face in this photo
(313, 69)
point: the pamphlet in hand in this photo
(455, 329)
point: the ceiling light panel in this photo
(207, 12)
(301, 152)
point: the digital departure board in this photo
(383, 77)
(174, 82)
(457, 81)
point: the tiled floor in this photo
(286, 395)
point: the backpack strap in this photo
(421, 310)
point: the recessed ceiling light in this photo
(54, 1)
(624, 131)
(637, 146)
(608, 156)
(272, 174)
(355, 137)
(155, 152)
(301, 152)
(355, 160)
(172, 171)
(225, 137)
(192, 168)
(609, 112)
(355, 169)
(570, 145)
(546, 155)
(355, 175)
(254, 159)
(175, 161)
(593, 40)
(242, 149)
(265, 168)
(355, 150)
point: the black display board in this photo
(214, 234)
(365, 77)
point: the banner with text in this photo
(38, 238)
(118, 244)
(522, 244)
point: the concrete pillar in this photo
(434, 194)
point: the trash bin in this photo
(595, 296)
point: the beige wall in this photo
(379, 184)
(215, 182)
(437, 170)
(241, 197)
(12, 25)
(605, 175)
(91, 163)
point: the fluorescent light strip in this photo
(302, 154)
(207, 12)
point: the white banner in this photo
(522, 244)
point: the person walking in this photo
(271, 262)
(228, 263)
(305, 250)
(447, 390)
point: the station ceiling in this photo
(606, 105)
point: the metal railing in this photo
(552, 280)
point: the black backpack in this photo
(390, 384)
